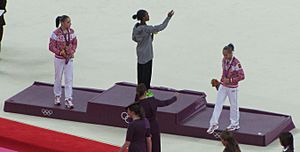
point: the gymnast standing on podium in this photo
(143, 35)
(63, 44)
(232, 74)
(150, 105)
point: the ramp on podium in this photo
(188, 116)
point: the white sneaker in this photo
(233, 127)
(212, 129)
(69, 104)
(57, 100)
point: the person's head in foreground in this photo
(287, 141)
(135, 111)
(138, 131)
(229, 142)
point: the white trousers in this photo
(223, 93)
(61, 68)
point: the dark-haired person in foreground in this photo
(232, 74)
(143, 35)
(287, 142)
(138, 137)
(230, 143)
(150, 105)
(63, 44)
(2, 21)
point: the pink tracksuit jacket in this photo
(58, 42)
(233, 71)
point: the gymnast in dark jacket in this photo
(150, 106)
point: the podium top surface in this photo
(41, 94)
(123, 94)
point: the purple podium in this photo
(188, 116)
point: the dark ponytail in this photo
(57, 21)
(134, 16)
(140, 91)
(287, 140)
(137, 109)
(60, 19)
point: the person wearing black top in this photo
(231, 145)
(138, 138)
(150, 105)
(2, 21)
(287, 141)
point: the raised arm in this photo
(157, 28)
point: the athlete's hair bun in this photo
(231, 46)
(134, 16)
(139, 14)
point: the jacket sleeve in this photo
(223, 71)
(163, 103)
(133, 37)
(157, 28)
(240, 74)
(53, 47)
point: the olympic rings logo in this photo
(217, 135)
(47, 112)
(125, 117)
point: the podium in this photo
(188, 116)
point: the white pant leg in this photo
(221, 97)
(59, 68)
(234, 108)
(68, 72)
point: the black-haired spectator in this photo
(228, 140)
(287, 141)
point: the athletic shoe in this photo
(212, 129)
(233, 127)
(57, 100)
(69, 104)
